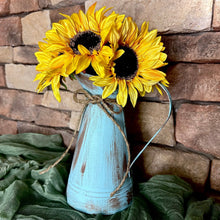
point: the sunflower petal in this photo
(137, 84)
(148, 89)
(72, 65)
(84, 20)
(55, 87)
(83, 50)
(83, 63)
(91, 9)
(99, 81)
(121, 98)
(108, 90)
(119, 53)
(57, 62)
(133, 94)
(158, 89)
(99, 69)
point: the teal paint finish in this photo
(99, 162)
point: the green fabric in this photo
(25, 194)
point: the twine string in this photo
(108, 108)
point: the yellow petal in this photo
(99, 81)
(108, 90)
(55, 47)
(163, 56)
(159, 90)
(60, 29)
(73, 65)
(99, 69)
(83, 63)
(55, 87)
(118, 54)
(94, 26)
(148, 89)
(107, 51)
(159, 64)
(147, 64)
(52, 36)
(57, 62)
(42, 45)
(137, 84)
(91, 9)
(83, 20)
(152, 75)
(122, 96)
(151, 35)
(133, 94)
(43, 57)
(83, 50)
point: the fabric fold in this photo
(26, 194)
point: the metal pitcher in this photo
(100, 161)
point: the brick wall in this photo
(188, 146)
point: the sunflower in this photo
(73, 44)
(133, 68)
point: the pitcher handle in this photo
(169, 114)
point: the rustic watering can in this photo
(100, 160)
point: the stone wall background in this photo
(188, 146)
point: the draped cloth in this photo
(25, 194)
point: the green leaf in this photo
(62, 83)
(71, 76)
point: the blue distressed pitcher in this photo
(100, 161)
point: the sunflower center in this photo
(126, 65)
(88, 39)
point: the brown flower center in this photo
(88, 39)
(126, 66)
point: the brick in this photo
(4, 7)
(6, 54)
(197, 127)
(200, 47)
(192, 167)
(20, 76)
(24, 106)
(25, 55)
(2, 77)
(44, 3)
(194, 82)
(67, 102)
(20, 6)
(74, 120)
(24, 127)
(19, 105)
(216, 15)
(55, 16)
(145, 119)
(52, 118)
(72, 85)
(10, 31)
(166, 16)
(215, 175)
(34, 27)
(8, 126)
(64, 3)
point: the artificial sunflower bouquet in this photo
(119, 61)
(119, 57)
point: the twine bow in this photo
(106, 106)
